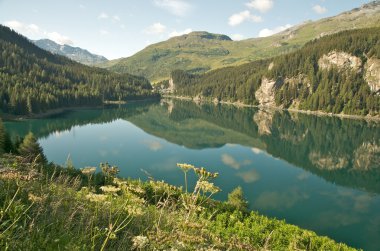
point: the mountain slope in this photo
(75, 53)
(338, 73)
(199, 52)
(33, 80)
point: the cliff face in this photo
(372, 75)
(345, 61)
(265, 94)
(341, 60)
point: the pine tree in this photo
(236, 199)
(31, 149)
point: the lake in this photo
(320, 173)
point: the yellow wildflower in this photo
(140, 241)
(96, 197)
(88, 170)
(110, 189)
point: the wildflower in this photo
(185, 167)
(110, 189)
(163, 186)
(207, 187)
(88, 170)
(109, 170)
(137, 200)
(35, 198)
(140, 241)
(135, 189)
(203, 173)
(96, 197)
(119, 182)
(134, 210)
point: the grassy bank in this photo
(44, 206)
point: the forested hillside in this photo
(337, 73)
(33, 80)
(200, 52)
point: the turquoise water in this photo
(320, 173)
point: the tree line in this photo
(33, 80)
(330, 90)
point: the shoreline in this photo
(57, 111)
(292, 110)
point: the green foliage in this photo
(45, 211)
(34, 81)
(69, 163)
(31, 150)
(237, 200)
(334, 90)
(109, 172)
(2, 137)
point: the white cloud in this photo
(230, 161)
(82, 6)
(249, 176)
(153, 145)
(103, 32)
(59, 38)
(103, 15)
(261, 5)
(116, 18)
(25, 29)
(240, 17)
(180, 33)
(156, 28)
(270, 32)
(33, 31)
(256, 150)
(237, 37)
(176, 7)
(319, 9)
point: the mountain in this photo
(75, 53)
(337, 73)
(33, 80)
(199, 52)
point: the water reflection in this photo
(341, 151)
(322, 173)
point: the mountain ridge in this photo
(77, 54)
(202, 55)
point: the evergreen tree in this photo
(236, 199)
(31, 149)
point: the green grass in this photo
(197, 54)
(53, 208)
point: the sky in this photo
(120, 28)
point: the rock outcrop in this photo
(372, 75)
(342, 60)
(265, 94)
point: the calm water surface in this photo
(319, 173)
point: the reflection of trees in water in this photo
(67, 120)
(342, 151)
